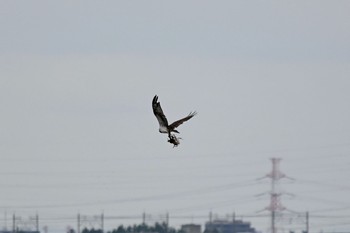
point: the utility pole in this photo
(102, 222)
(234, 222)
(13, 223)
(143, 218)
(167, 221)
(307, 221)
(78, 223)
(5, 220)
(88, 221)
(25, 224)
(37, 222)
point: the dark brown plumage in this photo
(164, 127)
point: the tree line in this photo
(141, 228)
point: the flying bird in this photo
(164, 127)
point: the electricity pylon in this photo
(275, 207)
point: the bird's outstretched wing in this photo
(179, 122)
(158, 112)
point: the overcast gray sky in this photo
(268, 79)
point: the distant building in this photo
(191, 228)
(224, 226)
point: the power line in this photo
(199, 191)
(324, 184)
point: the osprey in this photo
(164, 127)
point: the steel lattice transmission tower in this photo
(275, 197)
(275, 207)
